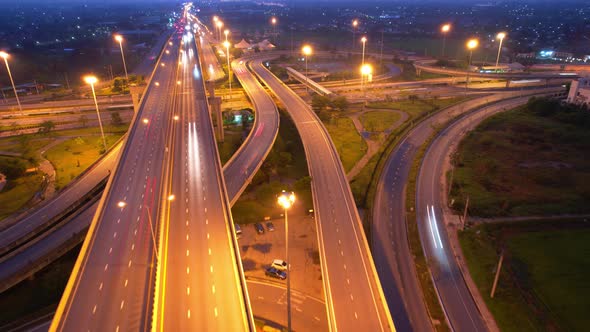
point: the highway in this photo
(110, 287)
(354, 298)
(244, 164)
(458, 302)
(390, 239)
(200, 284)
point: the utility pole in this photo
(465, 213)
(497, 275)
(381, 53)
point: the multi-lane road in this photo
(389, 241)
(110, 287)
(200, 284)
(353, 292)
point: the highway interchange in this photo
(180, 166)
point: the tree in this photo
(46, 126)
(319, 103)
(340, 103)
(83, 120)
(116, 119)
(118, 84)
(237, 53)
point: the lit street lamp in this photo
(471, 45)
(364, 41)
(5, 56)
(286, 200)
(226, 32)
(119, 38)
(355, 24)
(307, 52)
(366, 70)
(500, 36)
(274, 21)
(92, 80)
(219, 25)
(444, 29)
(226, 44)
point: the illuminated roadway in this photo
(389, 241)
(353, 295)
(110, 287)
(200, 285)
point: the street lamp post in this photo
(355, 24)
(286, 200)
(226, 44)
(444, 29)
(366, 70)
(226, 32)
(119, 38)
(471, 45)
(92, 80)
(5, 56)
(364, 41)
(273, 21)
(500, 36)
(307, 52)
(219, 25)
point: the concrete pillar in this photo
(136, 93)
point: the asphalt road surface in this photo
(110, 287)
(353, 295)
(389, 241)
(201, 285)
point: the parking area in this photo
(259, 250)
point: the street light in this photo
(307, 52)
(5, 56)
(355, 24)
(471, 45)
(226, 44)
(286, 200)
(366, 70)
(444, 29)
(273, 21)
(364, 41)
(219, 25)
(226, 32)
(92, 80)
(500, 36)
(119, 38)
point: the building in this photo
(580, 92)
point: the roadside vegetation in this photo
(234, 133)
(530, 161)
(285, 168)
(21, 186)
(542, 284)
(379, 121)
(73, 156)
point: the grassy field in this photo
(19, 191)
(542, 285)
(416, 107)
(18, 145)
(378, 121)
(530, 161)
(73, 156)
(350, 145)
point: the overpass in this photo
(112, 283)
(294, 74)
(354, 298)
(426, 65)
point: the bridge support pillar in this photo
(507, 83)
(215, 105)
(136, 93)
(418, 71)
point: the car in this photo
(238, 230)
(272, 272)
(259, 228)
(270, 226)
(279, 264)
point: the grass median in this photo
(378, 121)
(348, 142)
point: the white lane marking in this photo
(126, 282)
(188, 270)
(211, 268)
(100, 286)
(215, 311)
(188, 313)
(213, 289)
(106, 266)
(129, 264)
(122, 304)
(188, 291)
(94, 309)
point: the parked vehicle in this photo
(259, 228)
(270, 226)
(272, 272)
(279, 264)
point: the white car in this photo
(279, 264)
